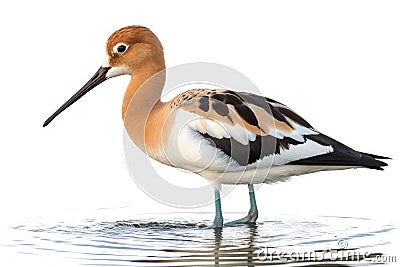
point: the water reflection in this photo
(182, 242)
(238, 250)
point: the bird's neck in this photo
(150, 76)
(143, 113)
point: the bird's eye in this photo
(120, 48)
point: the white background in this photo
(337, 63)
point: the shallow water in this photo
(184, 239)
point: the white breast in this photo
(188, 149)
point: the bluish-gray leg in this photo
(219, 220)
(252, 215)
(253, 212)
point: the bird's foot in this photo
(251, 217)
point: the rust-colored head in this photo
(130, 50)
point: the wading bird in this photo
(250, 138)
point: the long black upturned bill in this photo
(98, 78)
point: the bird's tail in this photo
(372, 161)
(341, 155)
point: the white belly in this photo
(263, 175)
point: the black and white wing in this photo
(250, 128)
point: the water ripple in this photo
(179, 242)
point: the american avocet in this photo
(252, 139)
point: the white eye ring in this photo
(120, 48)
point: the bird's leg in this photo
(253, 212)
(219, 220)
(252, 215)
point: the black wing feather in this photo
(342, 155)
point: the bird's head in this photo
(129, 50)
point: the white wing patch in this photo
(297, 134)
(296, 152)
(220, 129)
